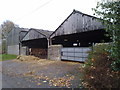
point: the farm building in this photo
(13, 40)
(70, 41)
(37, 42)
(76, 34)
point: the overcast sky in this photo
(42, 14)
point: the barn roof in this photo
(15, 35)
(44, 32)
(80, 13)
(38, 33)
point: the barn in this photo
(70, 41)
(36, 40)
(13, 40)
(76, 34)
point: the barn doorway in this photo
(76, 46)
(83, 39)
(37, 47)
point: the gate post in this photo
(54, 52)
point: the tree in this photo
(109, 12)
(6, 27)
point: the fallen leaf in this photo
(38, 83)
(44, 81)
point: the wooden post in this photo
(50, 41)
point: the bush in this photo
(98, 72)
(109, 12)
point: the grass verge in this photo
(4, 57)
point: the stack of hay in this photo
(27, 58)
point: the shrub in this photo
(98, 72)
(109, 12)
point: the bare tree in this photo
(6, 27)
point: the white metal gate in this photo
(75, 53)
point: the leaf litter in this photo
(64, 81)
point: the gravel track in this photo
(40, 74)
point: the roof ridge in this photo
(39, 29)
(76, 11)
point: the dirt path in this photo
(40, 74)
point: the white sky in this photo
(42, 14)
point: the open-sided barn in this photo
(77, 32)
(37, 42)
(79, 28)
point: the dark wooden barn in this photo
(80, 30)
(76, 34)
(37, 42)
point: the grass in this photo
(4, 57)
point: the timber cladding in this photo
(38, 52)
(77, 22)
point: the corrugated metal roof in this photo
(15, 35)
(36, 34)
(47, 33)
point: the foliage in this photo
(110, 13)
(4, 46)
(4, 57)
(0, 48)
(6, 27)
(97, 70)
(0, 33)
